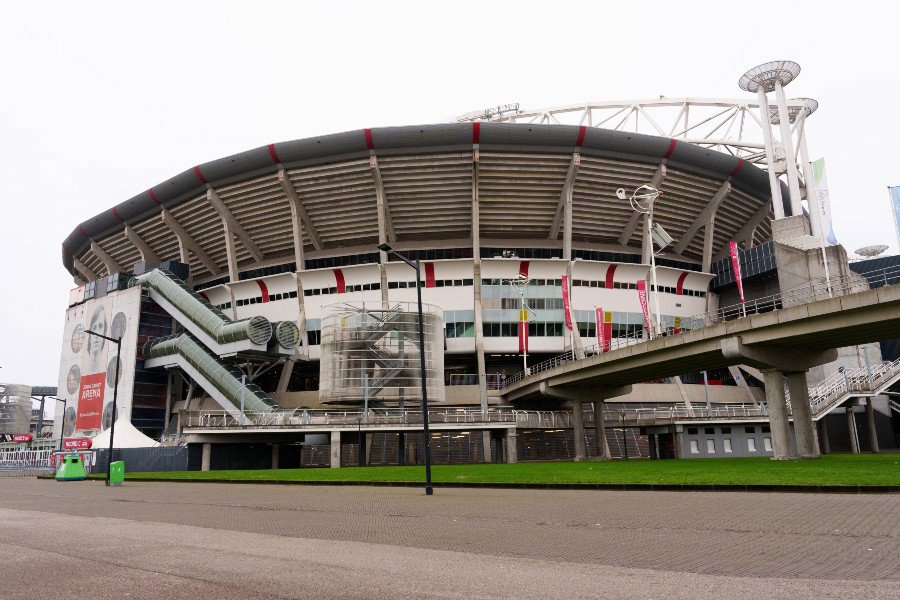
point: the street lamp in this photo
(642, 200)
(62, 427)
(425, 433)
(112, 425)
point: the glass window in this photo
(726, 444)
(692, 431)
(750, 429)
(767, 444)
(695, 449)
(709, 430)
(751, 445)
(710, 446)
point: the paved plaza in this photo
(181, 540)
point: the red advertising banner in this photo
(90, 401)
(523, 331)
(736, 265)
(22, 438)
(565, 292)
(604, 330)
(642, 297)
(77, 443)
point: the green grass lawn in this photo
(834, 469)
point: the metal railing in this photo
(24, 463)
(809, 292)
(314, 418)
(494, 381)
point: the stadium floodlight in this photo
(642, 200)
(660, 236)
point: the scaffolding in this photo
(371, 354)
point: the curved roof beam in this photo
(571, 174)
(146, 252)
(187, 244)
(632, 224)
(297, 206)
(111, 265)
(232, 225)
(386, 231)
(706, 216)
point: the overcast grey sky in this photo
(101, 100)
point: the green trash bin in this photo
(117, 473)
(71, 469)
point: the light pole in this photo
(112, 425)
(62, 427)
(426, 445)
(642, 200)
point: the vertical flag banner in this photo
(523, 331)
(598, 323)
(895, 207)
(823, 202)
(677, 325)
(736, 265)
(642, 297)
(565, 292)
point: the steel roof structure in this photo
(420, 184)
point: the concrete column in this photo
(578, 427)
(824, 445)
(870, 425)
(600, 430)
(851, 430)
(206, 457)
(401, 448)
(335, 449)
(709, 231)
(285, 378)
(512, 454)
(679, 441)
(777, 408)
(368, 449)
(804, 430)
(651, 438)
(486, 445)
(567, 223)
(276, 451)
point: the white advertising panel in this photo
(87, 369)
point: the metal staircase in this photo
(851, 383)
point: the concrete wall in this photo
(715, 441)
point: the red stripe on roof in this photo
(672, 144)
(274, 154)
(200, 176)
(116, 213)
(523, 268)
(339, 279)
(370, 143)
(476, 132)
(679, 287)
(738, 167)
(581, 133)
(429, 275)
(610, 274)
(153, 197)
(263, 289)
(83, 232)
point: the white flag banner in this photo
(823, 202)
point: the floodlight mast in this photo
(642, 200)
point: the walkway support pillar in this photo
(870, 425)
(804, 429)
(678, 433)
(851, 430)
(578, 431)
(600, 430)
(276, 451)
(778, 419)
(651, 439)
(512, 454)
(824, 445)
(335, 449)
(486, 445)
(206, 457)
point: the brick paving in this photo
(790, 545)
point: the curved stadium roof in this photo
(427, 174)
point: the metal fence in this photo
(24, 463)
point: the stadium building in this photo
(251, 287)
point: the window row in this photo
(534, 282)
(259, 299)
(401, 285)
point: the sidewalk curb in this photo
(648, 487)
